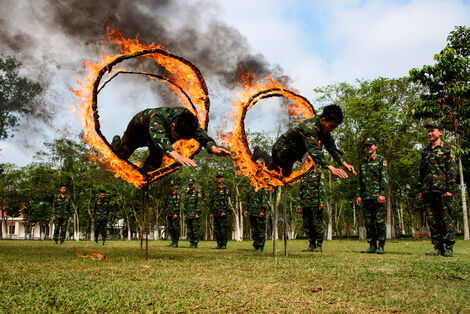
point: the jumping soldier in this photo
(311, 201)
(257, 205)
(173, 214)
(219, 209)
(437, 178)
(373, 181)
(100, 216)
(192, 213)
(61, 214)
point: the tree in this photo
(447, 96)
(18, 96)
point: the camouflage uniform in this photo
(257, 202)
(311, 196)
(191, 209)
(303, 138)
(172, 209)
(151, 128)
(373, 182)
(100, 215)
(436, 177)
(219, 203)
(62, 211)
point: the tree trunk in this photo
(330, 210)
(389, 204)
(466, 234)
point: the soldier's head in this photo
(184, 126)
(172, 185)
(434, 131)
(219, 177)
(191, 184)
(63, 189)
(370, 145)
(331, 118)
(102, 193)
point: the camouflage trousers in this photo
(258, 230)
(374, 220)
(60, 224)
(173, 228)
(193, 225)
(100, 227)
(221, 229)
(136, 136)
(313, 224)
(439, 214)
(279, 160)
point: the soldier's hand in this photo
(261, 215)
(448, 194)
(297, 209)
(223, 214)
(219, 151)
(420, 196)
(245, 213)
(175, 216)
(359, 201)
(337, 172)
(381, 199)
(185, 161)
(196, 216)
(349, 168)
(321, 207)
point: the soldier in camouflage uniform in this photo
(257, 205)
(219, 208)
(192, 213)
(308, 137)
(157, 129)
(373, 182)
(100, 216)
(61, 214)
(437, 180)
(311, 201)
(173, 214)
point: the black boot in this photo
(311, 247)
(115, 143)
(372, 248)
(449, 251)
(381, 248)
(438, 250)
(258, 153)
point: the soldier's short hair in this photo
(332, 112)
(186, 125)
(102, 191)
(63, 185)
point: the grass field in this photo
(39, 276)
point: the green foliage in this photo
(18, 96)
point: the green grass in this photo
(40, 277)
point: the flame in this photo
(236, 140)
(185, 80)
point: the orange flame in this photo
(253, 92)
(185, 81)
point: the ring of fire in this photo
(258, 174)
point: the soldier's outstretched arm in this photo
(185, 161)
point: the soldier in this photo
(100, 216)
(192, 213)
(373, 183)
(158, 128)
(311, 201)
(61, 214)
(219, 207)
(308, 137)
(173, 214)
(257, 204)
(437, 178)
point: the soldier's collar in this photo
(373, 157)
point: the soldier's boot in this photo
(258, 153)
(260, 249)
(55, 242)
(319, 247)
(115, 143)
(438, 250)
(61, 241)
(311, 247)
(449, 251)
(195, 245)
(381, 248)
(255, 249)
(96, 242)
(372, 248)
(223, 247)
(104, 242)
(171, 244)
(191, 245)
(218, 247)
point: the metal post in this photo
(274, 233)
(285, 220)
(147, 225)
(142, 222)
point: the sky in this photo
(313, 43)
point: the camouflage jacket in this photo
(101, 209)
(158, 121)
(172, 205)
(438, 170)
(219, 200)
(191, 203)
(307, 138)
(62, 207)
(373, 177)
(312, 189)
(256, 201)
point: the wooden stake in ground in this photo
(285, 220)
(274, 225)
